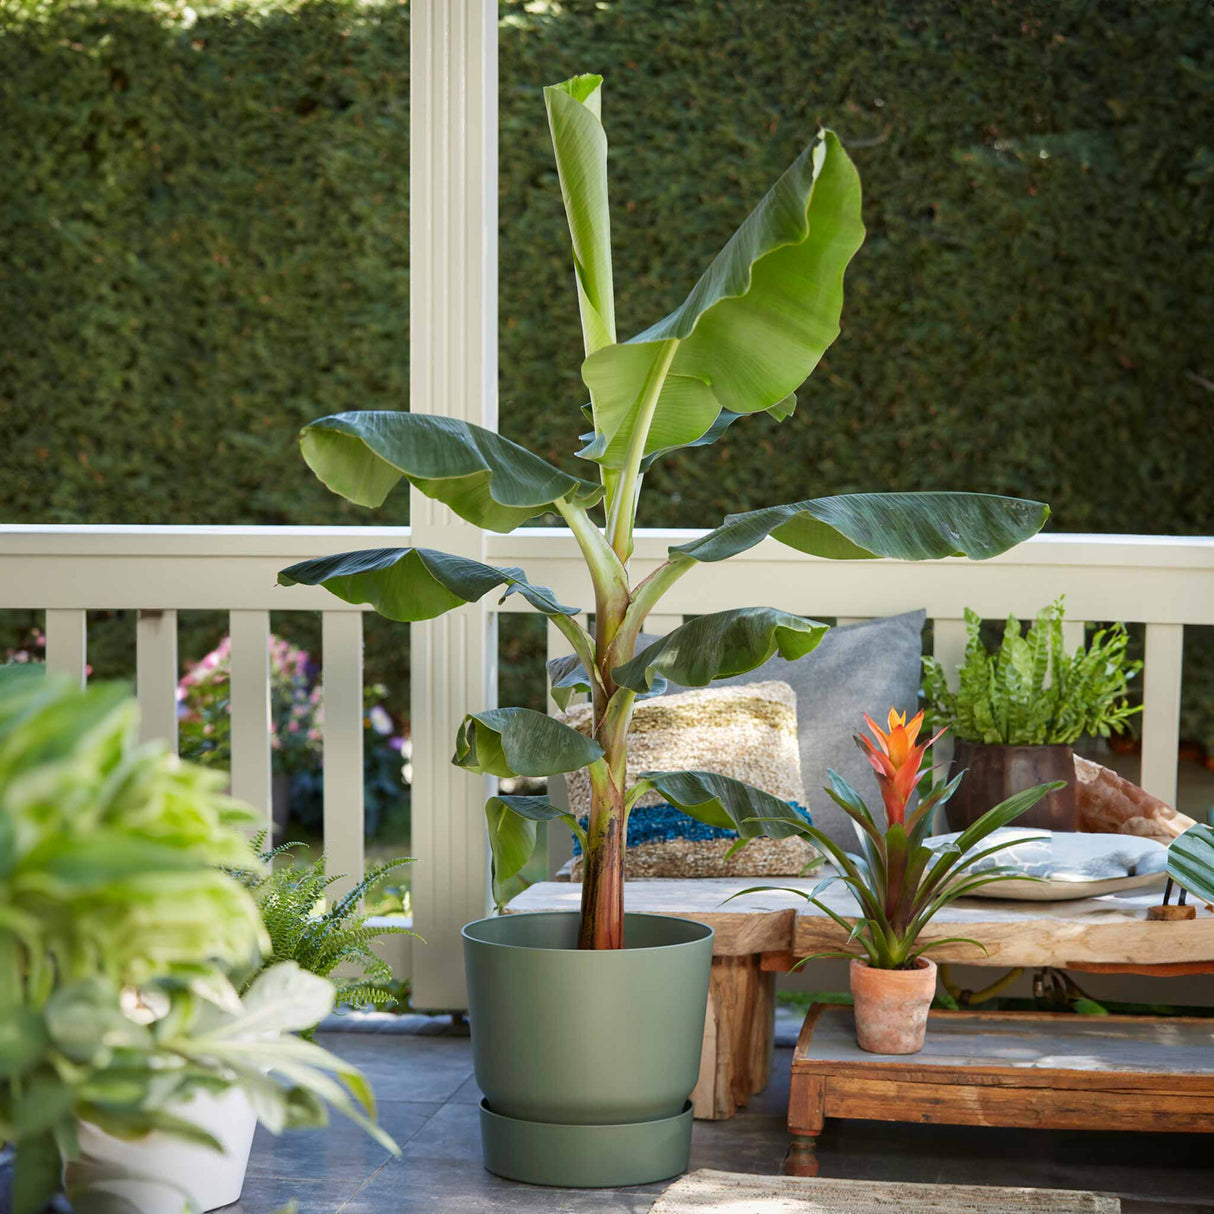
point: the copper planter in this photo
(994, 773)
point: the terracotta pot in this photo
(994, 773)
(891, 1006)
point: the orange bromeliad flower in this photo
(896, 759)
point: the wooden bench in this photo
(1030, 1069)
(762, 935)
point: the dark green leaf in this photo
(858, 526)
(483, 477)
(37, 1173)
(409, 584)
(1190, 861)
(512, 836)
(727, 803)
(718, 645)
(521, 742)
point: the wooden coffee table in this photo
(1028, 1069)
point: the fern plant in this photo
(291, 898)
(1030, 691)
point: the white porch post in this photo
(453, 372)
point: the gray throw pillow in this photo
(858, 668)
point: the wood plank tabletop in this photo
(976, 1041)
(1108, 930)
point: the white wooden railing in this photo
(1163, 582)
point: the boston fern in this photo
(1030, 692)
(291, 899)
(742, 342)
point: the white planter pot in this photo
(157, 1172)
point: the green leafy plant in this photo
(1190, 861)
(1030, 691)
(898, 882)
(743, 341)
(320, 938)
(118, 929)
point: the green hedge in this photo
(205, 229)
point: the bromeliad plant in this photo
(749, 333)
(899, 882)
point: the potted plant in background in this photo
(901, 882)
(586, 1028)
(1018, 711)
(127, 1060)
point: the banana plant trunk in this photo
(602, 920)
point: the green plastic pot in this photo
(586, 1059)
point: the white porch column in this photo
(453, 372)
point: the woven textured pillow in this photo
(857, 668)
(749, 733)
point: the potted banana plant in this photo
(586, 1027)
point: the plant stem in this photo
(602, 919)
(645, 598)
(622, 513)
(607, 574)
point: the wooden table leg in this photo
(806, 1102)
(801, 1158)
(739, 1035)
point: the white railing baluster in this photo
(1161, 709)
(1072, 634)
(250, 669)
(156, 675)
(67, 642)
(342, 671)
(948, 648)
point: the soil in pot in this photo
(892, 1006)
(994, 773)
(586, 1058)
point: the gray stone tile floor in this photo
(428, 1102)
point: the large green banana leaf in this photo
(521, 742)
(775, 289)
(483, 477)
(855, 526)
(575, 120)
(1191, 861)
(410, 584)
(726, 803)
(718, 645)
(511, 821)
